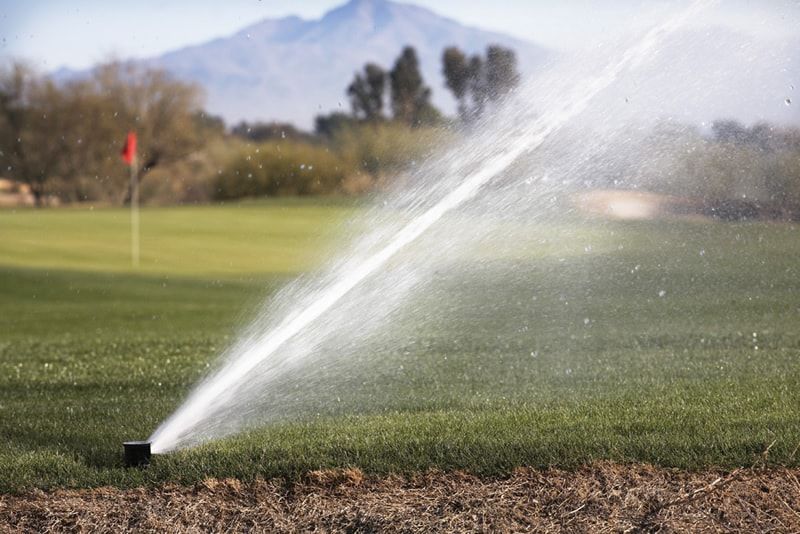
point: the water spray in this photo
(218, 388)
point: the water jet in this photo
(278, 342)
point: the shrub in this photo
(385, 147)
(281, 168)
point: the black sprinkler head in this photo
(137, 453)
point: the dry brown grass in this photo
(603, 497)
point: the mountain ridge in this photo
(292, 69)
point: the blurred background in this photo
(263, 98)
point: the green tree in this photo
(327, 126)
(477, 86)
(367, 92)
(410, 96)
(501, 71)
(478, 81)
(209, 124)
(456, 72)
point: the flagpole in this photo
(134, 214)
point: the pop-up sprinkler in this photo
(137, 453)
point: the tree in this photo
(209, 124)
(477, 85)
(410, 97)
(37, 129)
(329, 125)
(730, 131)
(366, 93)
(160, 109)
(477, 81)
(456, 72)
(501, 71)
(68, 137)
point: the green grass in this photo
(186, 241)
(541, 353)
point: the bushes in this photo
(748, 180)
(384, 147)
(735, 173)
(279, 168)
(351, 161)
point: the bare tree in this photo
(159, 108)
(62, 136)
(35, 129)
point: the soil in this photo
(602, 497)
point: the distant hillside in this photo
(291, 69)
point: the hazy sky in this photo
(78, 33)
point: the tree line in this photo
(392, 121)
(728, 171)
(401, 94)
(65, 139)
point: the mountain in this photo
(291, 69)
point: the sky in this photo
(77, 34)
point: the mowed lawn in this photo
(673, 343)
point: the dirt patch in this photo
(600, 497)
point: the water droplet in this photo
(788, 101)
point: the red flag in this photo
(129, 150)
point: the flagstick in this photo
(134, 215)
